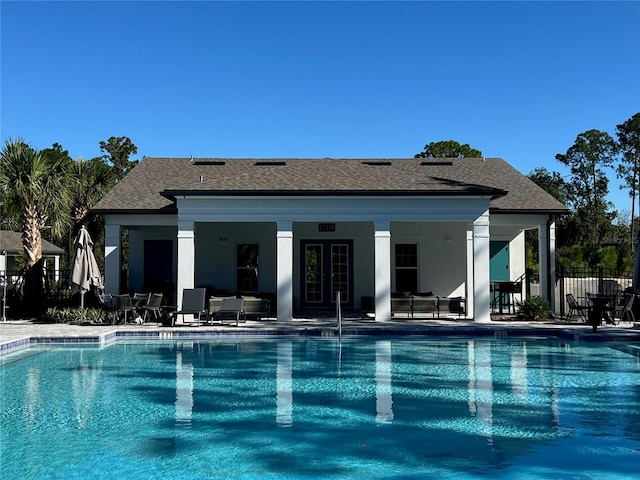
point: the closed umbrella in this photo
(85, 272)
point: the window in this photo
(406, 267)
(247, 267)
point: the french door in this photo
(327, 268)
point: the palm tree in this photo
(35, 189)
(93, 179)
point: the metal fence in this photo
(55, 288)
(582, 281)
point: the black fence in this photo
(56, 292)
(582, 281)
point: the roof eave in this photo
(489, 192)
(555, 211)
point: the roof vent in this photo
(208, 162)
(437, 163)
(267, 164)
(376, 163)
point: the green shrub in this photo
(72, 315)
(535, 308)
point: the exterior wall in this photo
(216, 253)
(517, 257)
(441, 255)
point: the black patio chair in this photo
(625, 309)
(153, 308)
(575, 307)
(123, 307)
(193, 300)
(107, 306)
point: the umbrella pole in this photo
(82, 300)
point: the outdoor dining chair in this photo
(575, 307)
(123, 307)
(152, 308)
(625, 309)
(107, 305)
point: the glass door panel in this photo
(327, 268)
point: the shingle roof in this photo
(12, 243)
(150, 186)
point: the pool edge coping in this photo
(187, 333)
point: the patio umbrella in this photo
(85, 272)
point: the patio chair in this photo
(575, 307)
(106, 303)
(152, 308)
(625, 309)
(231, 308)
(193, 300)
(123, 307)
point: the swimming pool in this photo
(288, 408)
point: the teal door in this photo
(499, 272)
(499, 263)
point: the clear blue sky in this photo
(516, 80)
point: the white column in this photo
(552, 265)
(186, 259)
(469, 290)
(543, 248)
(284, 276)
(481, 276)
(383, 270)
(112, 258)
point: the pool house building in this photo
(300, 230)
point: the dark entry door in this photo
(158, 267)
(327, 267)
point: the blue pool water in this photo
(288, 408)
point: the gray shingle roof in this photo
(149, 187)
(12, 243)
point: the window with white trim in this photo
(247, 255)
(406, 256)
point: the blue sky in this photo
(516, 80)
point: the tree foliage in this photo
(628, 170)
(448, 149)
(588, 187)
(551, 182)
(117, 151)
(35, 190)
(592, 151)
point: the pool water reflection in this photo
(322, 408)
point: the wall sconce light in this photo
(448, 238)
(223, 239)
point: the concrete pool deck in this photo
(19, 334)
